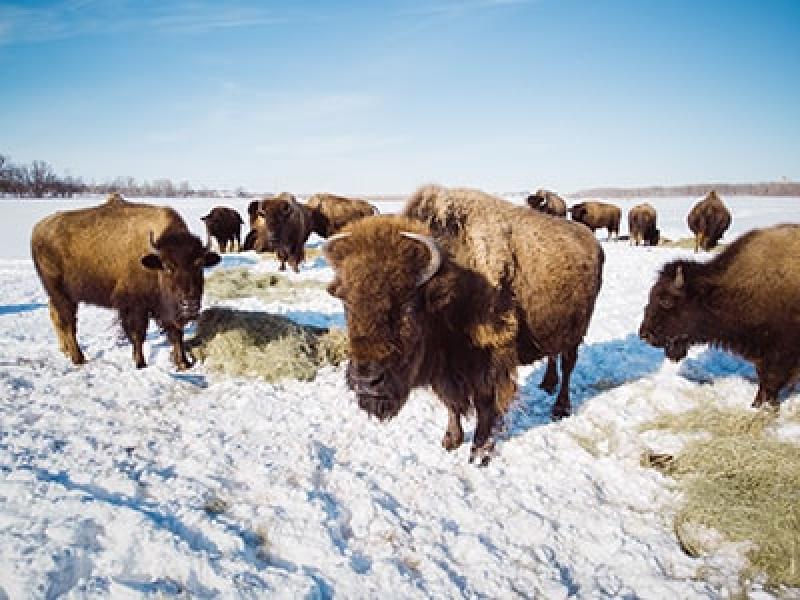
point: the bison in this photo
(642, 225)
(708, 220)
(597, 215)
(224, 225)
(330, 213)
(282, 226)
(455, 293)
(136, 258)
(746, 300)
(548, 202)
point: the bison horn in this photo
(329, 242)
(152, 242)
(679, 281)
(436, 256)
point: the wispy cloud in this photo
(22, 23)
(458, 8)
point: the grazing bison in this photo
(225, 225)
(709, 219)
(642, 225)
(283, 226)
(329, 213)
(548, 202)
(136, 258)
(456, 293)
(746, 300)
(596, 215)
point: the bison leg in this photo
(63, 314)
(550, 379)
(454, 436)
(175, 337)
(562, 407)
(482, 443)
(134, 323)
(771, 379)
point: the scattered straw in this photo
(243, 283)
(264, 345)
(740, 482)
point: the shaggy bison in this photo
(548, 202)
(282, 225)
(330, 213)
(456, 293)
(224, 225)
(597, 215)
(746, 300)
(709, 219)
(642, 225)
(138, 259)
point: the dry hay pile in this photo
(742, 482)
(687, 244)
(263, 345)
(243, 283)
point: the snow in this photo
(125, 483)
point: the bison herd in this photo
(455, 292)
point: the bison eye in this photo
(666, 303)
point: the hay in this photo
(243, 283)
(687, 244)
(741, 482)
(262, 345)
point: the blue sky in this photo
(380, 97)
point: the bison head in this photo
(537, 201)
(179, 259)
(671, 316)
(273, 220)
(382, 268)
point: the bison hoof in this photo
(481, 455)
(548, 386)
(560, 411)
(451, 441)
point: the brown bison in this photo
(138, 259)
(597, 215)
(548, 202)
(456, 293)
(225, 226)
(283, 226)
(642, 225)
(709, 219)
(252, 213)
(329, 213)
(746, 300)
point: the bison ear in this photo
(335, 288)
(210, 259)
(152, 261)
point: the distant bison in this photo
(225, 226)
(456, 293)
(115, 198)
(330, 213)
(708, 220)
(642, 225)
(548, 202)
(746, 299)
(283, 226)
(598, 215)
(252, 213)
(136, 258)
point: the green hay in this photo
(243, 283)
(740, 482)
(263, 345)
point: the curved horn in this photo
(152, 242)
(436, 256)
(327, 245)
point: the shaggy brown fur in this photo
(597, 215)
(329, 213)
(513, 286)
(642, 225)
(282, 226)
(746, 300)
(103, 256)
(709, 219)
(548, 202)
(225, 225)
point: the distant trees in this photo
(769, 188)
(39, 180)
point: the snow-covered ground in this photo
(125, 483)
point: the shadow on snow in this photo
(15, 309)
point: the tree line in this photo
(769, 188)
(39, 180)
